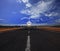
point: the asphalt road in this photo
(41, 40)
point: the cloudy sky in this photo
(34, 11)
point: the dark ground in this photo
(41, 40)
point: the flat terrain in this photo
(41, 39)
(3, 29)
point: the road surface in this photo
(41, 40)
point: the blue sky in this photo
(36, 11)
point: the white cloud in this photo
(34, 16)
(28, 5)
(37, 9)
(25, 1)
(24, 18)
(25, 12)
(52, 14)
(29, 23)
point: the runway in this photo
(40, 40)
